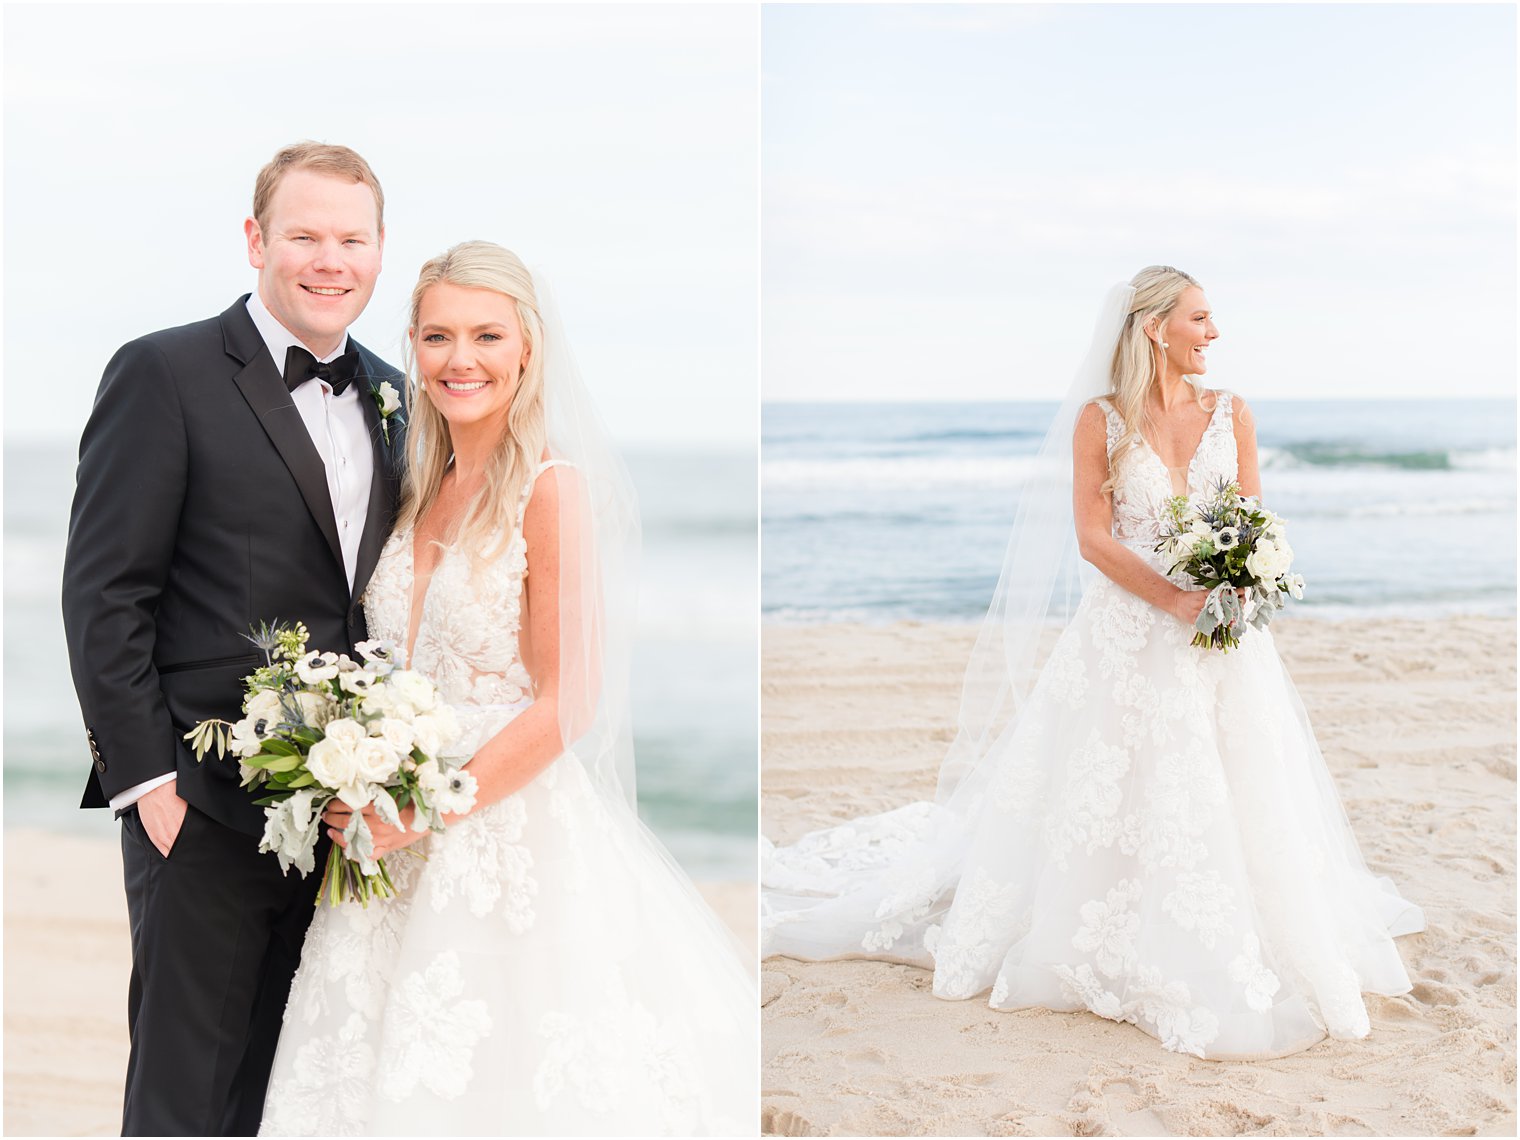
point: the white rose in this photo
(1261, 558)
(336, 766)
(315, 668)
(434, 731)
(332, 762)
(396, 733)
(1269, 561)
(335, 762)
(316, 708)
(412, 689)
(346, 730)
(1296, 586)
(390, 399)
(266, 704)
(379, 701)
(375, 760)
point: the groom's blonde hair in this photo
(323, 158)
(491, 517)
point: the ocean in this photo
(886, 512)
(695, 669)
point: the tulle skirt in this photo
(1155, 839)
(547, 970)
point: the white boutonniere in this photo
(388, 400)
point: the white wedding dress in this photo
(1157, 839)
(547, 970)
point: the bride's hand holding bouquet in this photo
(1235, 549)
(322, 732)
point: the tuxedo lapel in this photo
(264, 388)
(384, 484)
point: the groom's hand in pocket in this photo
(162, 813)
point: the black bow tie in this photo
(301, 366)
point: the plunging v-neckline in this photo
(1187, 468)
(417, 606)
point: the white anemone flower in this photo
(379, 656)
(315, 668)
(448, 791)
(245, 740)
(357, 681)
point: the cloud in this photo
(934, 214)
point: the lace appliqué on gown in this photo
(1159, 842)
(543, 970)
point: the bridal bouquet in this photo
(1228, 542)
(318, 727)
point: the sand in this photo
(67, 960)
(1417, 722)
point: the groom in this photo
(232, 471)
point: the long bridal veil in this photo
(875, 885)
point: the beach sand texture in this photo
(67, 961)
(1417, 723)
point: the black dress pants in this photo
(216, 936)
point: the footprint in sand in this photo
(773, 983)
(776, 1121)
(1428, 993)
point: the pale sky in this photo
(614, 147)
(948, 191)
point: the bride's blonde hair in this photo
(1158, 288)
(489, 520)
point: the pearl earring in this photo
(1165, 345)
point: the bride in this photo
(546, 968)
(1142, 829)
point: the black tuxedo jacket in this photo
(201, 509)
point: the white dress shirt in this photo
(340, 434)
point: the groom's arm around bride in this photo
(224, 478)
